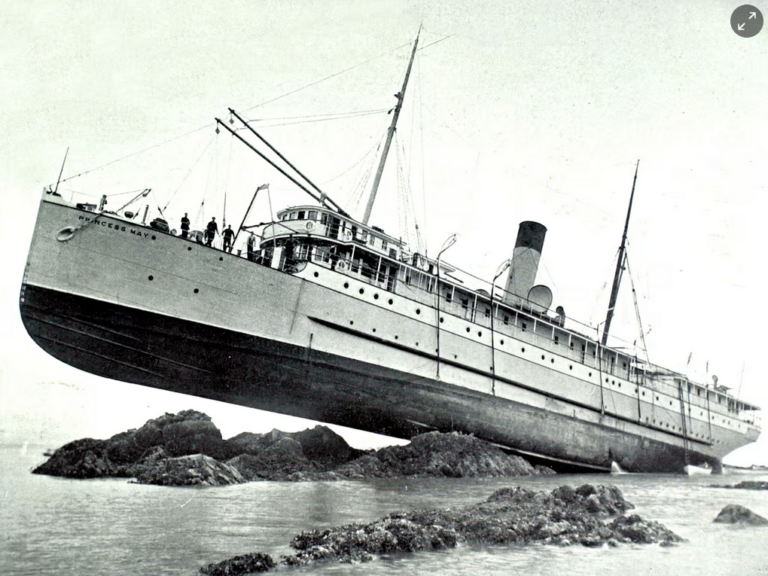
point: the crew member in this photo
(210, 231)
(184, 226)
(228, 234)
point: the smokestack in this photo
(525, 261)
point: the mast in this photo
(390, 133)
(619, 264)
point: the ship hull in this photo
(139, 306)
(180, 356)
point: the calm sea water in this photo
(57, 526)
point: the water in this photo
(56, 526)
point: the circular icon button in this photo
(747, 21)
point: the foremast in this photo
(619, 265)
(390, 134)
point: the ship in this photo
(325, 317)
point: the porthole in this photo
(590, 373)
(417, 343)
(374, 329)
(346, 284)
(189, 247)
(154, 237)
(570, 367)
(522, 350)
(418, 310)
(396, 337)
(317, 274)
(351, 322)
(362, 290)
(375, 296)
(391, 301)
(542, 357)
(552, 360)
(455, 357)
(468, 329)
(150, 278)
(221, 258)
(502, 342)
(442, 320)
(196, 290)
(479, 333)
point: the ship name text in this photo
(114, 226)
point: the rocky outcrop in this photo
(152, 455)
(747, 485)
(247, 564)
(195, 470)
(566, 516)
(451, 455)
(735, 514)
(127, 453)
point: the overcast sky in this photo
(523, 112)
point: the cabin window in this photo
(524, 326)
(393, 253)
(557, 339)
(312, 215)
(284, 216)
(302, 213)
(384, 245)
(292, 216)
(407, 278)
(506, 319)
(372, 240)
(324, 218)
(487, 312)
(364, 236)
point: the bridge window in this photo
(301, 215)
(312, 215)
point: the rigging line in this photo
(136, 153)
(368, 153)
(226, 181)
(326, 78)
(637, 309)
(323, 119)
(191, 168)
(317, 115)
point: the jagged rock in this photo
(195, 470)
(247, 564)
(125, 454)
(276, 462)
(562, 517)
(451, 455)
(735, 514)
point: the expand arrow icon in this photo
(741, 27)
(752, 15)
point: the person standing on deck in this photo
(210, 231)
(228, 234)
(184, 226)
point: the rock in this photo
(563, 517)
(735, 514)
(195, 470)
(126, 454)
(279, 461)
(450, 455)
(247, 564)
(748, 485)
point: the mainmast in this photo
(391, 132)
(619, 265)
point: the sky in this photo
(514, 111)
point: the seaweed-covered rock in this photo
(127, 453)
(563, 517)
(195, 470)
(276, 462)
(735, 514)
(86, 458)
(246, 564)
(450, 455)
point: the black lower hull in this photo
(172, 354)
